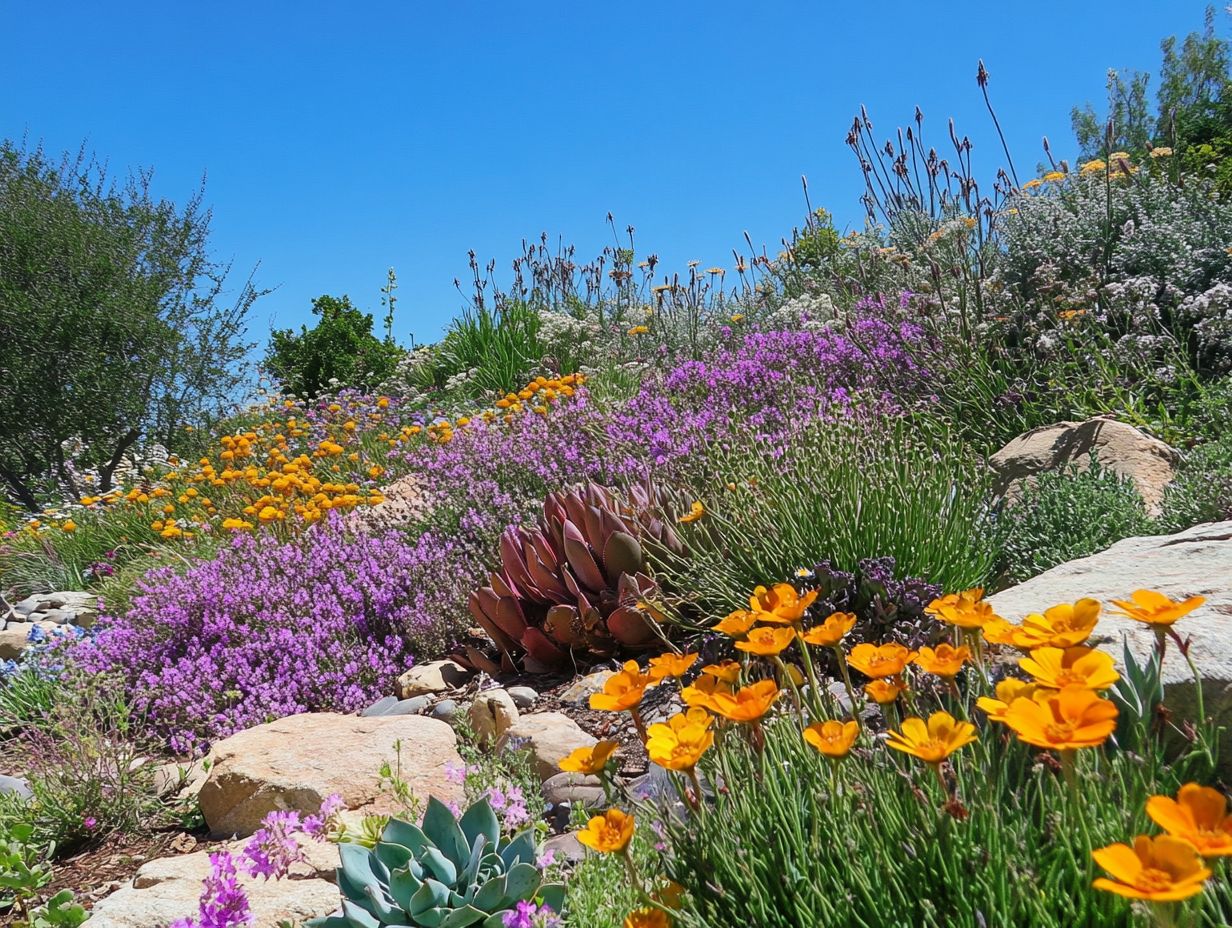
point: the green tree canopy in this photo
(1192, 112)
(113, 324)
(339, 351)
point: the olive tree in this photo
(116, 325)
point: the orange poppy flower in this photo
(1155, 608)
(781, 604)
(932, 741)
(702, 692)
(623, 690)
(767, 641)
(609, 833)
(887, 660)
(696, 511)
(680, 744)
(883, 692)
(1057, 668)
(737, 624)
(647, 917)
(671, 665)
(965, 610)
(944, 660)
(1062, 626)
(1199, 815)
(999, 631)
(747, 704)
(833, 739)
(589, 761)
(1007, 691)
(830, 632)
(728, 671)
(1161, 869)
(1073, 718)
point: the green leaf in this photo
(432, 894)
(464, 917)
(520, 849)
(522, 881)
(443, 830)
(553, 896)
(478, 820)
(492, 895)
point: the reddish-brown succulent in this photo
(575, 584)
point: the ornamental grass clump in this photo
(967, 787)
(271, 628)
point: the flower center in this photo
(1153, 880)
(1059, 731)
(1067, 677)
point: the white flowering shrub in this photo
(1146, 258)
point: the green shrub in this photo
(840, 492)
(1202, 490)
(339, 351)
(1067, 514)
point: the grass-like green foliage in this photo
(87, 763)
(1202, 490)
(104, 544)
(873, 843)
(597, 892)
(501, 346)
(840, 492)
(1067, 514)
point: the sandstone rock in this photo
(576, 789)
(550, 737)
(15, 637)
(1147, 461)
(436, 677)
(579, 691)
(491, 715)
(1194, 562)
(296, 762)
(181, 780)
(523, 696)
(168, 889)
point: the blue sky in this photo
(340, 139)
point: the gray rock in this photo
(1194, 562)
(575, 789)
(59, 616)
(447, 710)
(27, 605)
(14, 786)
(564, 848)
(381, 706)
(523, 696)
(579, 691)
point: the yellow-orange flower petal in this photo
(1160, 869)
(1154, 608)
(1198, 815)
(1057, 668)
(590, 761)
(831, 738)
(609, 833)
(932, 741)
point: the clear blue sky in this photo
(342, 138)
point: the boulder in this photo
(1197, 561)
(180, 780)
(429, 679)
(549, 736)
(579, 691)
(15, 637)
(1148, 462)
(576, 789)
(296, 762)
(523, 696)
(168, 889)
(491, 715)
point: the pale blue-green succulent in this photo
(449, 873)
